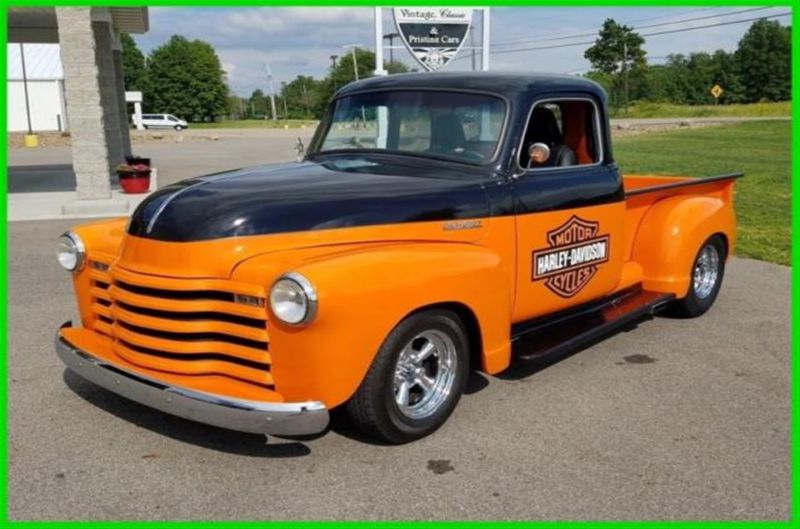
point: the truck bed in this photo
(644, 191)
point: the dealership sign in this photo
(433, 35)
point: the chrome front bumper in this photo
(296, 418)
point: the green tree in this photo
(301, 97)
(133, 65)
(688, 80)
(343, 73)
(618, 52)
(764, 58)
(236, 107)
(186, 79)
(257, 104)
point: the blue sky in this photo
(296, 41)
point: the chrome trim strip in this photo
(682, 183)
(276, 418)
(311, 295)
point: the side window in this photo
(570, 130)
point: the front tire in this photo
(416, 379)
(707, 272)
(179, 127)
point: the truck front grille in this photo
(185, 326)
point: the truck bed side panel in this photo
(665, 227)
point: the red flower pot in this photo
(137, 183)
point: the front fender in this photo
(364, 293)
(672, 232)
(103, 240)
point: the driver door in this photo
(569, 212)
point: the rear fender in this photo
(364, 294)
(670, 235)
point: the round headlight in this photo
(293, 299)
(71, 252)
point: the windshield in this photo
(459, 126)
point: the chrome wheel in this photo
(706, 271)
(424, 374)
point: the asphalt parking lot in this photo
(198, 153)
(675, 419)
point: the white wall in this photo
(46, 104)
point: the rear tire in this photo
(416, 379)
(706, 276)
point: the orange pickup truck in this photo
(438, 224)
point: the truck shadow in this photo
(341, 425)
(521, 369)
(180, 429)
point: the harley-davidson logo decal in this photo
(571, 261)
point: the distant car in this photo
(163, 121)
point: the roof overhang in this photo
(39, 24)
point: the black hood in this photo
(337, 193)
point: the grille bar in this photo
(188, 346)
(155, 360)
(172, 305)
(166, 322)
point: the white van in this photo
(163, 121)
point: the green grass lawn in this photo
(256, 124)
(760, 149)
(666, 110)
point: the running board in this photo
(572, 329)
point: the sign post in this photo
(379, 70)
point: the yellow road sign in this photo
(717, 91)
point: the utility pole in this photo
(25, 87)
(305, 99)
(333, 60)
(355, 60)
(285, 94)
(625, 72)
(271, 93)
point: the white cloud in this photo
(300, 40)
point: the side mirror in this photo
(300, 148)
(538, 153)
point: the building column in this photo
(122, 105)
(110, 91)
(90, 82)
